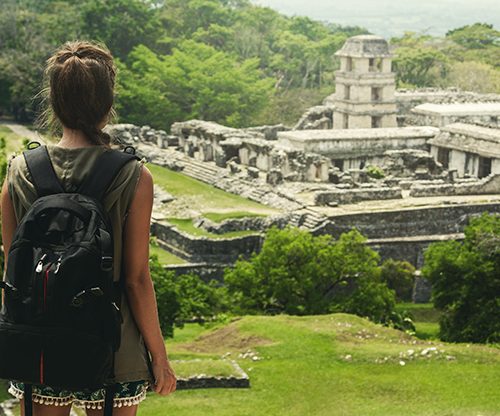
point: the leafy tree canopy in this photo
(465, 281)
(297, 273)
(476, 36)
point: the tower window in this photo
(345, 121)
(484, 167)
(376, 94)
(375, 64)
(347, 92)
(443, 157)
(376, 122)
(348, 65)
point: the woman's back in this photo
(72, 166)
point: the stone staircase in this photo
(313, 218)
(214, 175)
(307, 218)
(203, 171)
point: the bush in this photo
(465, 282)
(399, 276)
(200, 301)
(167, 296)
(375, 172)
(185, 298)
(299, 274)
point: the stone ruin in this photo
(368, 148)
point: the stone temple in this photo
(365, 85)
(406, 168)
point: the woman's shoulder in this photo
(16, 167)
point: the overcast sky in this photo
(393, 17)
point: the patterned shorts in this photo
(127, 394)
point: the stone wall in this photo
(410, 249)
(489, 185)
(132, 135)
(206, 271)
(409, 222)
(316, 118)
(406, 100)
(259, 224)
(202, 249)
(350, 196)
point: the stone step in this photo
(203, 165)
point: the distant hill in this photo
(393, 17)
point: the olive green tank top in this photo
(72, 166)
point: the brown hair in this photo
(79, 81)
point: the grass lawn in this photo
(212, 367)
(186, 225)
(208, 198)
(14, 142)
(164, 256)
(426, 319)
(329, 365)
(219, 217)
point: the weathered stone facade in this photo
(365, 85)
(440, 115)
(328, 175)
(469, 150)
(355, 148)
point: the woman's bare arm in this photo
(138, 283)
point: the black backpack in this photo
(60, 322)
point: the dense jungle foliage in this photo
(225, 60)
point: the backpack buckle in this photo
(106, 263)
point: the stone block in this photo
(274, 177)
(253, 172)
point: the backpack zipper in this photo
(45, 283)
(39, 265)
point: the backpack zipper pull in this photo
(58, 264)
(39, 265)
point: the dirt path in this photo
(23, 131)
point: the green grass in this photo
(14, 142)
(164, 256)
(186, 225)
(212, 367)
(207, 197)
(219, 217)
(303, 371)
(422, 312)
(4, 395)
(425, 317)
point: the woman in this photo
(81, 79)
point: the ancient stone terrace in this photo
(356, 143)
(467, 149)
(440, 115)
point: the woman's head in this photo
(80, 80)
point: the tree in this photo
(167, 296)
(400, 277)
(182, 298)
(465, 281)
(476, 36)
(196, 81)
(121, 24)
(297, 273)
(474, 76)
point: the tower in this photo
(365, 85)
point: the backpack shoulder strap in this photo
(104, 171)
(42, 171)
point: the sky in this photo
(393, 17)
